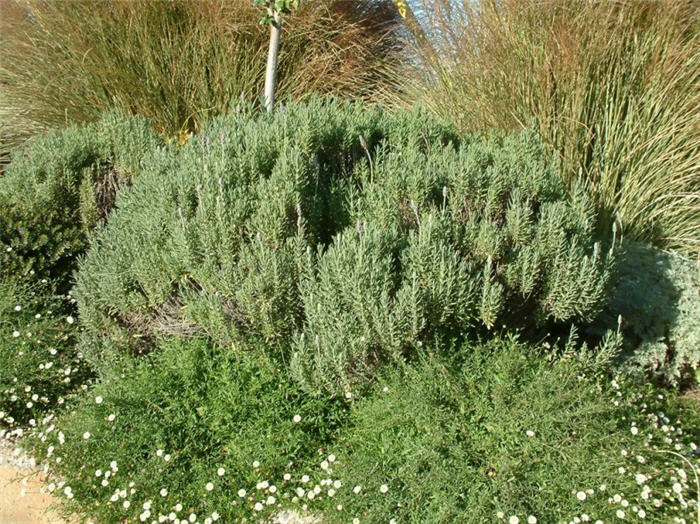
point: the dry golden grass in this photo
(180, 62)
(612, 85)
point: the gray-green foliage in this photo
(346, 234)
(61, 185)
(658, 299)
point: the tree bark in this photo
(272, 54)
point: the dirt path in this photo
(21, 501)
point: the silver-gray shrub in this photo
(657, 299)
(345, 237)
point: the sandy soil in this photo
(21, 501)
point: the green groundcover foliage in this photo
(497, 432)
(184, 431)
(39, 365)
(195, 429)
(344, 237)
(62, 185)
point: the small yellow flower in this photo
(401, 7)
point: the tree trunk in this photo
(271, 71)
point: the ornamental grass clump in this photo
(61, 186)
(180, 62)
(612, 86)
(342, 236)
